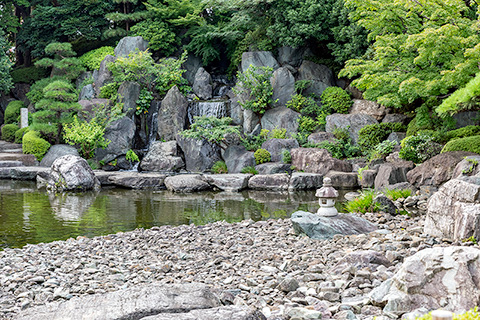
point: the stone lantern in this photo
(327, 195)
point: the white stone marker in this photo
(23, 118)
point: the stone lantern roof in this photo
(327, 191)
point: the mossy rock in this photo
(8, 132)
(33, 144)
(471, 144)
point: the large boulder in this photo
(72, 173)
(259, 59)
(191, 67)
(162, 156)
(467, 167)
(172, 115)
(103, 76)
(305, 181)
(352, 122)
(235, 110)
(186, 183)
(371, 108)
(280, 118)
(454, 210)
(291, 56)
(273, 167)
(200, 155)
(316, 160)
(441, 277)
(228, 182)
(120, 133)
(136, 180)
(343, 180)
(437, 170)
(129, 93)
(89, 106)
(202, 84)
(320, 77)
(319, 137)
(275, 182)
(392, 173)
(237, 157)
(57, 151)
(276, 147)
(128, 45)
(283, 84)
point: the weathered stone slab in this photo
(22, 173)
(305, 181)
(138, 180)
(314, 160)
(277, 181)
(221, 313)
(343, 180)
(228, 182)
(186, 183)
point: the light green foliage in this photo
(382, 150)
(419, 148)
(302, 85)
(250, 170)
(364, 203)
(5, 66)
(33, 144)
(342, 148)
(372, 134)
(8, 132)
(305, 106)
(462, 99)
(464, 132)
(469, 315)
(109, 91)
(255, 83)
(158, 34)
(262, 156)
(472, 167)
(219, 167)
(88, 136)
(19, 134)
(336, 99)
(143, 103)
(286, 156)
(64, 62)
(211, 129)
(12, 112)
(253, 143)
(471, 144)
(421, 49)
(360, 172)
(132, 156)
(92, 59)
(306, 124)
(395, 194)
(28, 75)
(278, 133)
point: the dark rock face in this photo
(104, 76)
(387, 204)
(259, 59)
(352, 122)
(200, 155)
(280, 118)
(57, 151)
(191, 66)
(320, 77)
(305, 181)
(237, 157)
(276, 147)
(128, 45)
(129, 92)
(290, 56)
(120, 133)
(172, 115)
(283, 84)
(202, 85)
(20, 92)
(273, 167)
(314, 160)
(162, 156)
(396, 117)
(318, 227)
(437, 170)
(72, 173)
(392, 173)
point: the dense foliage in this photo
(5, 66)
(12, 112)
(88, 136)
(92, 59)
(32, 143)
(211, 129)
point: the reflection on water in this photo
(28, 215)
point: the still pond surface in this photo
(28, 215)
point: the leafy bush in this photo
(132, 156)
(382, 150)
(211, 129)
(88, 136)
(464, 132)
(395, 194)
(419, 148)
(252, 142)
(364, 203)
(339, 149)
(28, 75)
(12, 112)
(158, 34)
(305, 106)
(262, 156)
(19, 134)
(372, 134)
(306, 124)
(109, 91)
(286, 156)
(336, 99)
(143, 103)
(33, 144)
(278, 134)
(250, 170)
(8, 132)
(219, 167)
(471, 144)
(92, 59)
(462, 99)
(255, 84)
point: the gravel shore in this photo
(259, 264)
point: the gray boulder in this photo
(120, 133)
(250, 121)
(89, 106)
(274, 182)
(386, 204)
(81, 79)
(392, 173)
(172, 115)
(220, 313)
(467, 167)
(321, 228)
(396, 117)
(191, 67)
(57, 151)
(103, 76)
(237, 157)
(305, 181)
(280, 118)
(162, 156)
(320, 77)
(319, 137)
(396, 136)
(128, 45)
(283, 84)
(291, 56)
(200, 155)
(137, 180)
(228, 182)
(235, 110)
(466, 118)
(276, 147)
(314, 160)
(87, 93)
(202, 85)
(441, 277)
(367, 178)
(71, 173)
(129, 92)
(352, 122)
(368, 107)
(273, 167)
(186, 183)
(259, 59)
(343, 180)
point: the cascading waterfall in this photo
(216, 109)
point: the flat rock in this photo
(277, 181)
(10, 163)
(228, 182)
(220, 313)
(138, 180)
(26, 159)
(305, 181)
(186, 183)
(321, 228)
(273, 168)
(343, 180)
(22, 173)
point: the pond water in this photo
(28, 215)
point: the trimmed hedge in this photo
(12, 112)
(262, 156)
(464, 132)
(372, 134)
(8, 132)
(33, 144)
(336, 99)
(93, 58)
(19, 134)
(28, 75)
(471, 144)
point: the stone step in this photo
(10, 163)
(13, 150)
(26, 159)
(4, 145)
(22, 173)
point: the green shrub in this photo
(364, 203)
(132, 156)
(92, 59)
(88, 136)
(33, 144)
(339, 149)
(462, 99)
(286, 156)
(395, 194)
(262, 156)
(471, 144)
(143, 103)
(464, 132)
(305, 106)
(219, 167)
(372, 134)
(19, 134)
(28, 75)
(8, 132)
(306, 124)
(419, 148)
(250, 170)
(336, 99)
(252, 142)
(12, 112)
(382, 150)
(109, 91)
(278, 134)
